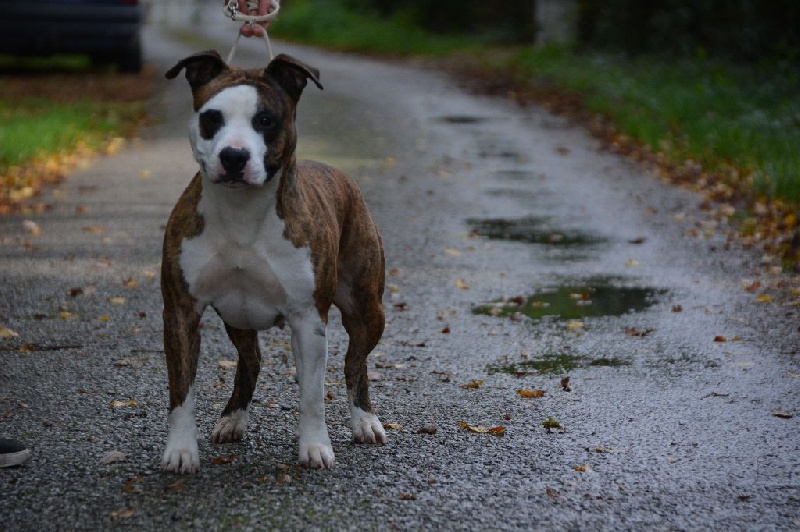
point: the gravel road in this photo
(518, 254)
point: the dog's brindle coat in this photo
(265, 242)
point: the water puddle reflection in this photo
(531, 230)
(593, 298)
(552, 364)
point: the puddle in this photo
(531, 230)
(592, 299)
(516, 175)
(462, 119)
(548, 364)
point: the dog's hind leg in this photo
(364, 320)
(233, 422)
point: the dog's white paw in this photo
(316, 451)
(367, 428)
(317, 456)
(181, 454)
(231, 427)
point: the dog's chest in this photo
(244, 267)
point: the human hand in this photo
(257, 29)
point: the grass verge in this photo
(52, 121)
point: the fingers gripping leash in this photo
(232, 11)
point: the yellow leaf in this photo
(130, 282)
(495, 431)
(461, 284)
(631, 263)
(530, 394)
(117, 300)
(7, 333)
(116, 403)
(67, 315)
(474, 384)
(583, 468)
(574, 325)
(764, 298)
(104, 318)
(392, 426)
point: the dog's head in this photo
(243, 129)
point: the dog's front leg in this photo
(182, 349)
(310, 349)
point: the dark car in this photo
(106, 30)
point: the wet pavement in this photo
(518, 254)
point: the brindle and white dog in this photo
(264, 240)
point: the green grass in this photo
(35, 127)
(328, 24)
(716, 114)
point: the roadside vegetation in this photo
(53, 114)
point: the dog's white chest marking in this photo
(242, 265)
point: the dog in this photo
(265, 240)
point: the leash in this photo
(232, 11)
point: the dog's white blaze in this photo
(182, 454)
(238, 105)
(241, 264)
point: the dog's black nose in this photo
(233, 159)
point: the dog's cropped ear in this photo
(292, 75)
(200, 68)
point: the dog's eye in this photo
(264, 121)
(210, 122)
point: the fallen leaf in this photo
(177, 485)
(530, 394)
(122, 514)
(551, 492)
(633, 331)
(392, 426)
(565, 384)
(551, 424)
(116, 403)
(74, 292)
(720, 339)
(31, 227)
(7, 333)
(131, 487)
(408, 497)
(67, 315)
(374, 376)
(96, 229)
(474, 384)
(227, 364)
(677, 308)
(104, 318)
(495, 431)
(113, 457)
(117, 300)
(446, 330)
(783, 415)
(130, 283)
(221, 460)
(574, 325)
(461, 284)
(452, 253)
(583, 468)
(764, 298)
(631, 263)
(427, 429)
